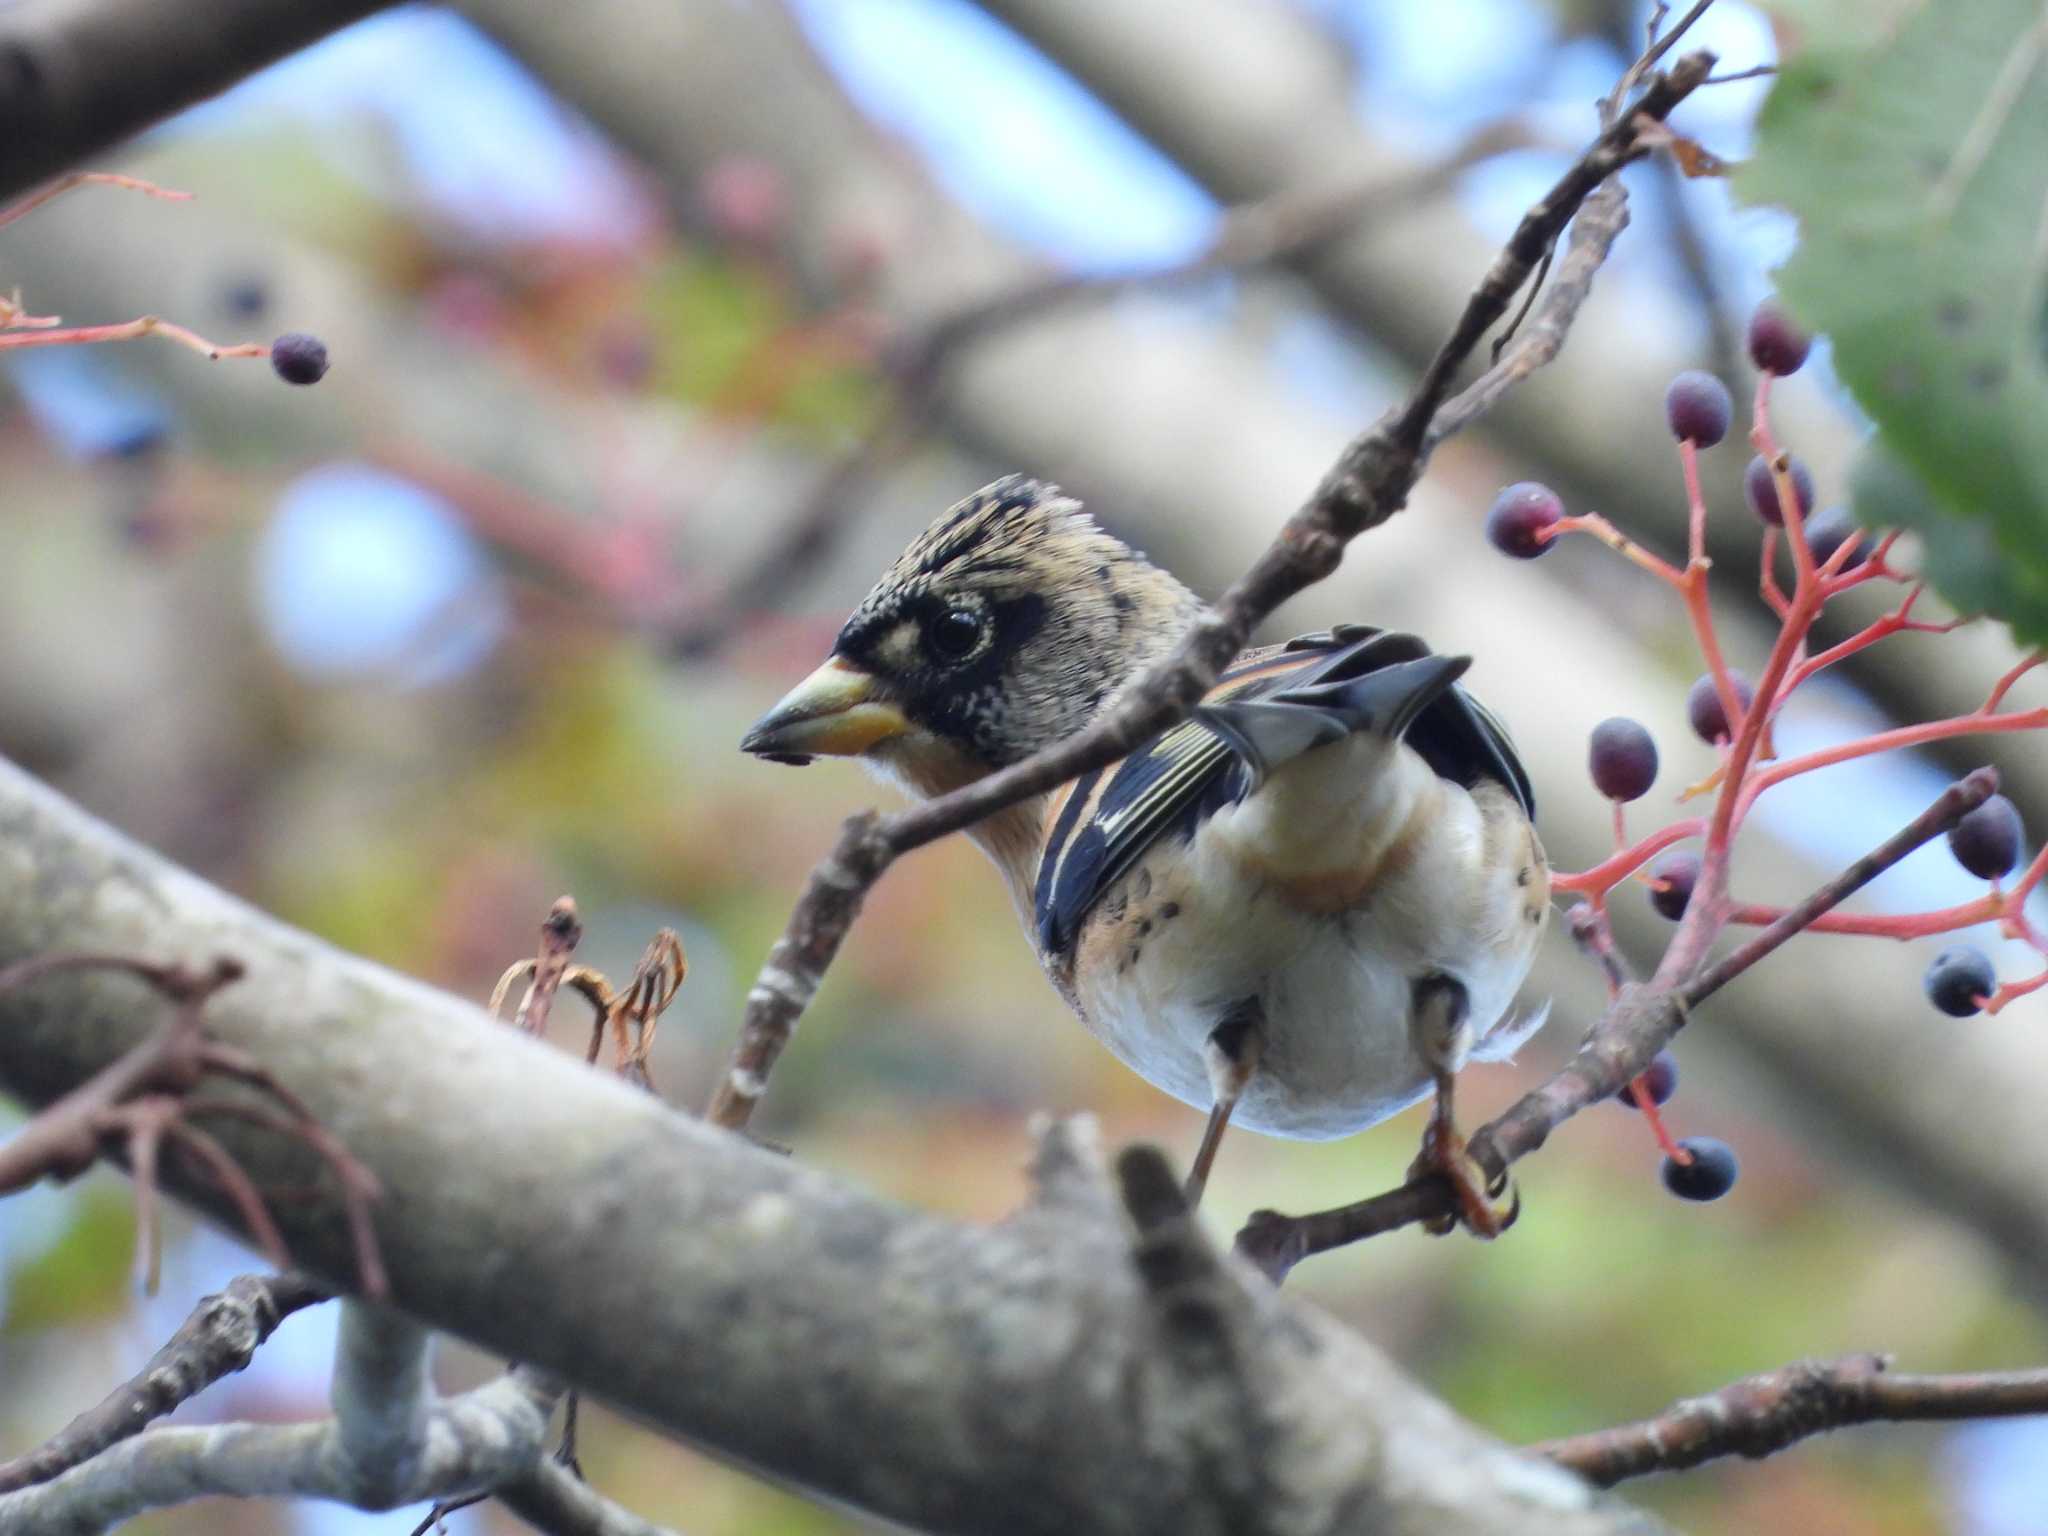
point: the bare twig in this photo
(1763, 1414)
(144, 1098)
(1253, 235)
(129, 330)
(1955, 802)
(1368, 485)
(1638, 1023)
(26, 205)
(219, 1338)
(559, 935)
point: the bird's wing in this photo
(1273, 706)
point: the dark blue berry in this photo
(1958, 978)
(1703, 706)
(1828, 531)
(1698, 408)
(1776, 343)
(1987, 841)
(298, 358)
(1672, 880)
(1709, 1175)
(1622, 759)
(1520, 517)
(1762, 489)
(1659, 1078)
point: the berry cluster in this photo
(1732, 714)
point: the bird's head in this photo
(1004, 627)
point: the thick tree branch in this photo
(948, 1376)
(1369, 484)
(1761, 1415)
(79, 76)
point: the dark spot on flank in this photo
(1535, 914)
(1114, 907)
(1141, 884)
(1524, 876)
(1169, 911)
(1105, 575)
(1131, 959)
(1145, 929)
(1122, 602)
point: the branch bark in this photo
(220, 1337)
(388, 1444)
(952, 1377)
(1761, 1415)
(77, 76)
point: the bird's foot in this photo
(1486, 1207)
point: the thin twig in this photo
(219, 1338)
(1762, 1414)
(145, 1098)
(1368, 485)
(63, 184)
(1260, 234)
(1956, 802)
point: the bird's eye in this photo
(953, 634)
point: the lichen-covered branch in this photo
(952, 1377)
(387, 1444)
(220, 1337)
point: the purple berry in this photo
(1672, 880)
(1828, 531)
(1776, 343)
(1762, 488)
(299, 358)
(1987, 841)
(1520, 517)
(1622, 759)
(1698, 408)
(1958, 978)
(1709, 1175)
(1659, 1080)
(1703, 706)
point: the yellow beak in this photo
(836, 711)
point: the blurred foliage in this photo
(1909, 141)
(85, 1274)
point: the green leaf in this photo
(1910, 138)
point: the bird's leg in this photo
(1231, 1053)
(1440, 1024)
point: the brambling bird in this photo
(1302, 908)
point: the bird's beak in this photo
(837, 711)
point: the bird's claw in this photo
(1486, 1205)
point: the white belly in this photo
(1335, 990)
